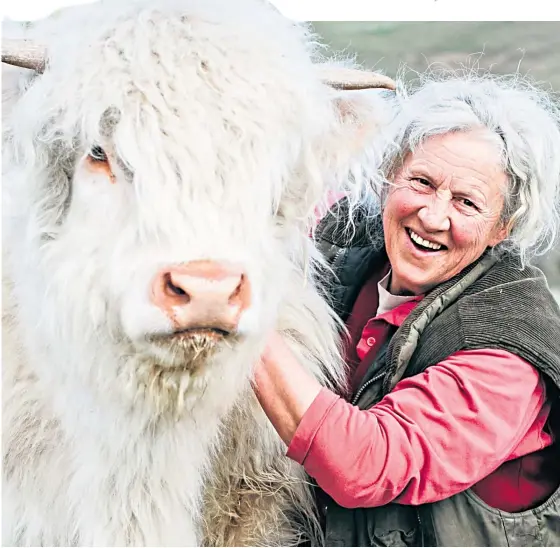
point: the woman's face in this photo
(443, 210)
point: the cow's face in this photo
(188, 232)
(177, 165)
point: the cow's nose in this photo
(202, 295)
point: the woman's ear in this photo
(501, 232)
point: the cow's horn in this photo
(23, 53)
(353, 79)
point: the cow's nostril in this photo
(237, 290)
(171, 287)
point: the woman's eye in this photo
(97, 154)
(421, 181)
(469, 204)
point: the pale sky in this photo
(356, 10)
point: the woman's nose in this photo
(434, 216)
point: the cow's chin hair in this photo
(169, 374)
(186, 351)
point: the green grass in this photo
(504, 47)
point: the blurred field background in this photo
(530, 48)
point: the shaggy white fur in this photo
(222, 140)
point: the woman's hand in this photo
(284, 389)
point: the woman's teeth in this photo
(423, 243)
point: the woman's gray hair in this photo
(525, 122)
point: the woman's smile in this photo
(423, 246)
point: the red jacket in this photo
(477, 419)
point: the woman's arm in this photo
(284, 389)
(435, 435)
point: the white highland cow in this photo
(162, 163)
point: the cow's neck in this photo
(132, 479)
(156, 475)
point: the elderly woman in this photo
(449, 433)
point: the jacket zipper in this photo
(336, 256)
(364, 386)
(420, 530)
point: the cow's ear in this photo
(363, 115)
(345, 157)
(351, 153)
(14, 82)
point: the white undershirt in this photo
(388, 301)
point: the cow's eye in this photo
(97, 154)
